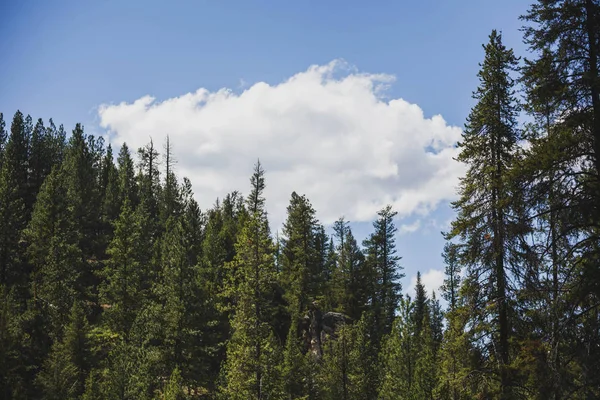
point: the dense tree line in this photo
(115, 285)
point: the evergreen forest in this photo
(114, 284)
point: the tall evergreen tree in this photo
(399, 356)
(53, 237)
(126, 177)
(124, 275)
(452, 281)
(3, 139)
(299, 263)
(13, 196)
(66, 369)
(421, 305)
(109, 193)
(485, 207)
(563, 169)
(185, 309)
(149, 178)
(381, 252)
(40, 160)
(351, 295)
(170, 193)
(252, 349)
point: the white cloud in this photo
(409, 228)
(326, 132)
(432, 280)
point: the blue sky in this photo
(65, 59)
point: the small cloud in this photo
(409, 228)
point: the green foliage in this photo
(114, 284)
(122, 289)
(252, 350)
(384, 271)
(398, 357)
(350, 293)
(174, 389)
(300, 273)
(13, 202)
(489, 215)
(65, 370)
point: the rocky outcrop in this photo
(318, 327)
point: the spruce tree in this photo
(452, 281)
(53, 237)
(109, 192)
(13, 203)
(184, 309)
(421, 305)
(562, 168)
(350, 294)
(426, 374)
(252, 349)
(3, 139)
(380, 248)
(484, 224)
(299, 263)
(57, 142)
(40, 160)
(67, 367)
(126, 177)
(124, 274)
(149, 179)
(399, 356)
(170, 200)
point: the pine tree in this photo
(184, 309)
(351, 295)
(452, 281)
(426, 374)
(124, 275)
(109, 192)
(348, 368)
(53, 238)
(295, 369)
(364, 371)
(218, 250)
(3, 139)
(421, 305)
(380, 248)
(325, 264)
(57, 142)
(128, 375)
(126, 177)
(149, 179)
(334, 379)
(174, 389)
(562, 167)
(299, 263)
(170, 193)
(485, 207)
(13, 380)
(66, 369)
(81, 171)
(40, 160)
(398, 357)
(252, 348)
(13, 196)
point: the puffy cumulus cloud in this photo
(326, 132)
(432, 280)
